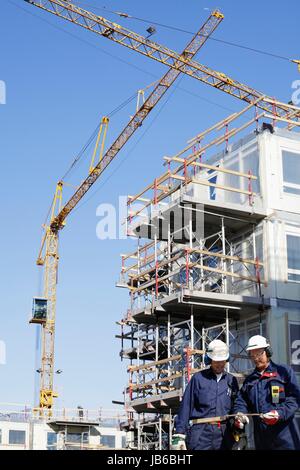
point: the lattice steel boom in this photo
(125, 37)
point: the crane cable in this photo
(174, 28)
(94, 134)
(85, 147)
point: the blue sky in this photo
(60, 80)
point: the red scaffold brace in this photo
(185, 171)
(169, 173)
(194, 166)
(257, 272)
(156, 279)
(250, 189)
(188, 365)
(130, 386)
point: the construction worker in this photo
(210, 393)
(273, 393)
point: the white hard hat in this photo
(257, 342)
(217, 350)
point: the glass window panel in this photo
(294, 277)
(51, 441)
(291, 170)
(39, 309)
(259, 246)
(17, 437)
(108, 441)
(293, 252)
(74, 437)
(291, 190)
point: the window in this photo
(291, 172)
(74, 437)
(75, 441)
(108, 441)
(245, 159)
(251, 163)
(17, 437)
(51, 441)
(293, 257)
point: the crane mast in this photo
(48, 255)
(48, 331)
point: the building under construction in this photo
(218, 243)
(218, 239)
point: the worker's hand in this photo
(240, 420)
(178, 442)
(270, 418)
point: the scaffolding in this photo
(200, 164)
(221, 262)
(156, 387)
(198, 272)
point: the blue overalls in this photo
(205, 397)
(259, 394)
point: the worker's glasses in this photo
(255, 355)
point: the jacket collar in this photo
(269, 372)
(213, 375)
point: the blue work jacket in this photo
(276, 389)
(205, 397)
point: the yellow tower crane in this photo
(48, 255)
(178, 63)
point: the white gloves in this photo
(178, 442)
(240, 420)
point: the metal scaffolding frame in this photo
(216, 263)
(151, 383)
(190, 281)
